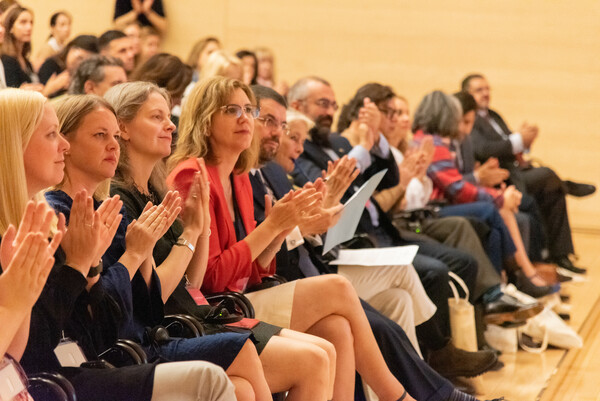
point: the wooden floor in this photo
(557, 375)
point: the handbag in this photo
(462, 317)
(462, 325)
(547, 326)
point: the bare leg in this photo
(247, 366)
(337, 331)
(521, 254)
(298, 366)
(337, 297)
(243, 389)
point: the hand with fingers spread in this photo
(196, 215)
(294, 209)
(369, 118)
(321, 220)
(337, 179)
(408, 168)
(110, 218)
(25, 276)
(37, 218)
(142, 233)
(82, 238)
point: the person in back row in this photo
(491, 137)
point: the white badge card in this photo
(11, 383)
(69, 354)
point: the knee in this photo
(209, 376)
(340, 288)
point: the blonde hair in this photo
(197, 49)
(264, 53)
(127, 99)
(71, 110)
(21, 112)
(195, 123)
(217, 63)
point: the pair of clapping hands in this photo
(315, 207)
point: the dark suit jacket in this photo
(314, 160)
(287, 261)
(467, 162)
(488, 143)
(310, 164)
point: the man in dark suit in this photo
(491, 138)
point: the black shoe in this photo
(566, 263)
(525, 285)
(507, 309)
(579, 190)
(562, 278)
(488, 347)
(451, 361)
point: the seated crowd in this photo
(138, 191)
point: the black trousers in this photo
(547, 188)
(421, 381)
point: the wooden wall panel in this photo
(541, 57)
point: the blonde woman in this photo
(218, 124)
(32, 154)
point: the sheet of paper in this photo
(353, 209)
(396, 255)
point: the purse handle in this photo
(460, 282)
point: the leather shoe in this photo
(578, 189)
(566, 263)
(508, 309)
(450, 361)
(525, 285)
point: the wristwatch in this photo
(95, 270)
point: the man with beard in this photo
(305, 261)
(491, 137)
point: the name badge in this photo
(12, 384)
(69, 354)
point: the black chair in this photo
(51, 387)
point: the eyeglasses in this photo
(326, 104)
(235, 110)
(390, 113)
(271, 123)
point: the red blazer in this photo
(230, 265)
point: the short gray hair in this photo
(91, 69)
(438, 113)
(299, 91)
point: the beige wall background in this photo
(542, 57)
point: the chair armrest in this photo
(183, 326)
(242, 304)
(123, 353)
(51, 386)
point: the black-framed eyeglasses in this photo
(272, 123)
(235, 110)
(390, 113)
(326, 104)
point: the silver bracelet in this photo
(183, 242)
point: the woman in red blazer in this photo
(217, 123)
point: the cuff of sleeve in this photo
(362, 156)
(517, 142)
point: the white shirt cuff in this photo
(517, 142)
